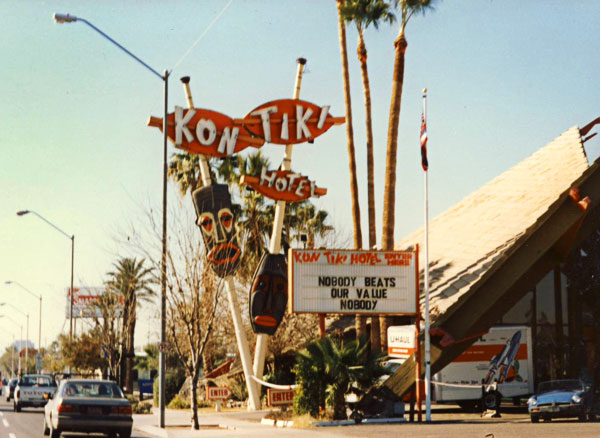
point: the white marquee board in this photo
(342, 281)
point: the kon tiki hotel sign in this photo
(341, 281)
(213, 134)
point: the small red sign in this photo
(283, 185)
(280, 397)
(218, 393)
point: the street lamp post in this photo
(37, 296)
(72, 237)
(66, 18)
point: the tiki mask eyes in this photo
(217, 222)
(268, 294)
(226, 219)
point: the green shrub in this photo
(326, 370)
(173, 382)
(179, 402)
(142, 408)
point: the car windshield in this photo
(92, 389)
(560, 385)
(43, 381)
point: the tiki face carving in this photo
(268, 294)
(217, 222)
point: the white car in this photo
(89, 406)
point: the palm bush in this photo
(326, 370)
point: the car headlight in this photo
(576, 399)
(532, 401)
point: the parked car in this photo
(83, 405)
(10, 388)
(561, 399)
(30, 391)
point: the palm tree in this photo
(364, 13)
(406, 9)
(360, 320)
(327, 370)
(184, 169)
(133, 282)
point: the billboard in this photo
(85, 301)
(343, 281)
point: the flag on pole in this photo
(424, 162)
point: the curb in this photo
(153, 430)
(276, 423)
(390, 420)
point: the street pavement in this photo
(446, 422)
(29, 422)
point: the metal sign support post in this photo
(275, 243)
(419, 370)
(240, 334)
(427, 338)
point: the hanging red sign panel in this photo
(289, 121)
(283, 185)
(205, 132)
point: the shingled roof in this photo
(469, 238)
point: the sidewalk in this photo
(217, 425)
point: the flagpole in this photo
(427, 340)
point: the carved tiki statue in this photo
(268, 294)
(216, 220)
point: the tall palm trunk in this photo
(389, 198)
(360, 320)
(362, 58)
(131, 346)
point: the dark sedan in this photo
(80, 405)
(561, 399)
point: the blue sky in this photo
(504, 78)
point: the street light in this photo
(72, 237)
(37, 296)
(66, 18)
(26, 341)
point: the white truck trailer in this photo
(502, 357)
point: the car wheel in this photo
(548, 419)
(592, 416)
(535, 419)
(125, 433)
(112, 435)
(491, 400)
(582, 417)
(46, 428)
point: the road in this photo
(28, 423)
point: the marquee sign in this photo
(283, 185)
(213, 134)
(342, 281)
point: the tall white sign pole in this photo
(427, 339)
(240, 333)
(275, 243)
